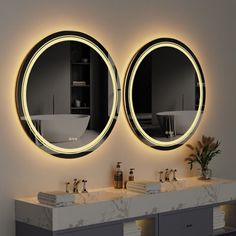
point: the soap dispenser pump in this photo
(118, 176)
(131, 174)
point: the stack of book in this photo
(132, 229)
(146, 187)
(79, 83)
(57, 198)
(218, 218)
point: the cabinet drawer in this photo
(194, 222)
(100, 230)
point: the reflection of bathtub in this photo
(61, 127)
(182, 119)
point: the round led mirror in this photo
(68, 94)
(164, 93)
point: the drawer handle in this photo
(189, 225)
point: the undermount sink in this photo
(174, 185)
(185, 183)
(109, 194)
(99, 195)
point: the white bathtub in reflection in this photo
(61, 127)
(182, 119)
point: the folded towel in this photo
(219, 226)
(56, 196)
(133, 234)
(131, 225)
(143, 191)
(218, 210)
(144, 188)
(219, 215)
(57, 204)
(132, 229)
(143, 185)
(219, 218)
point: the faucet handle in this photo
(167, 178)
(75, 185)
(84, 181)
(174, 175)
(67, 187)
(160, 178)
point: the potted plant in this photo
(205, 150)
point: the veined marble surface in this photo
(108, 204)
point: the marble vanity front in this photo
(108, 204)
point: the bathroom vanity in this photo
(181, 208)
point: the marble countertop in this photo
(109, 204)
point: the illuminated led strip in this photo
(24, 94)
(130, 97)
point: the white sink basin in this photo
(109, 194)
(174, 185)
(100, 195)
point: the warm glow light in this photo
(25, 79)
(130, 90)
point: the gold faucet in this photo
(84, 186)
(75, 185)
(67, 187)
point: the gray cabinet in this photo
(194, 222)
(106, 229)
(189, 222)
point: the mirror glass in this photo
(164, 94)
(68, 94)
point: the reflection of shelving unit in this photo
(80, 108)
(80, 78)
(89, 85)
(197, 94)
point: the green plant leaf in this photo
(203, 152)
(190, 146)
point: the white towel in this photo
(219, 226)
(143, 186)
(218, 218)
(218, 214)
(56, 197)
(131, 226)
(131, 229)
(133, 234)
(218, 210)
(143, 191)
(56, 204)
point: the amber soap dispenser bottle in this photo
(118, 176)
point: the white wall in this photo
(207, 27)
